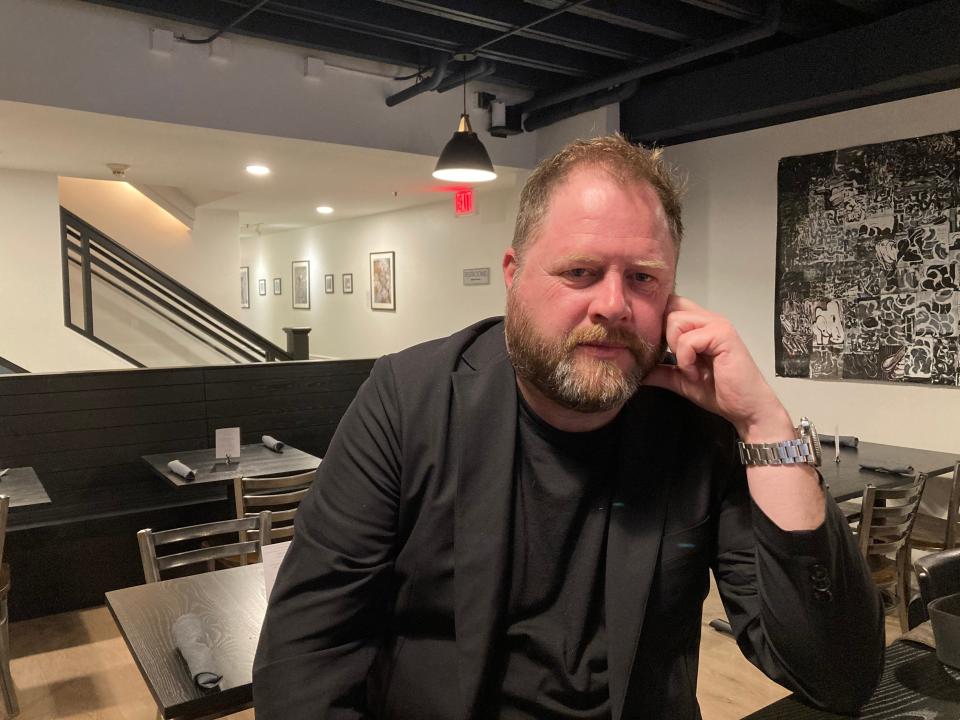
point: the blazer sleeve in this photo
(802, 605)
(328, 608)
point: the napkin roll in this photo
(184, 471)
(845, 440)
(189, 638)
(893, 469)
(272, 443)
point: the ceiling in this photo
(208, 166)
(569, 56)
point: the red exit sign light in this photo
(463, 202)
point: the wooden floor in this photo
(76, 665)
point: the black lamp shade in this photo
(464, 159)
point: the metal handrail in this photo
(102, 257)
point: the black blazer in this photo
(391, 600)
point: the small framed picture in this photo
(276, 286)
(328, 283)
(262, 286)
(301, 284)
(347, 283)
(245, 287)
(382, 281)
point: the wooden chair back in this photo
(280, 495)
(887, 516)
(931, 532)
(4, 511)
(251, 534)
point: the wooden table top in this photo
(231, 605)
(847, 480)
(23, 487)
(255, 461)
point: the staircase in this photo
(121, 302)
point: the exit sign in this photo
(463, 202)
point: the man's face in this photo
(585, 308)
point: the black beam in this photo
(746, 10)
(669, 21)
(910, 53)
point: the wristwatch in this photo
(805, 448)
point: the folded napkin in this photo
(178, 468)
(845, 440)
(190, 640)
(272, 443)
(893, 469)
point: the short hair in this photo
(628, 163)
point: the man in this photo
(517, 521)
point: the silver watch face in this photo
(808, 430)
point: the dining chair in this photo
(938, 574)
(931, 532)
(7, 688)
(280, 495)
(217, 540)
(887, 515)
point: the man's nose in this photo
(609, 302)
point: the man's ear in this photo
(511, 264)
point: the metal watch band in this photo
(788, 452)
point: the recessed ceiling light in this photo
(324, 209)
(258, 169)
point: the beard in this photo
(575, 381)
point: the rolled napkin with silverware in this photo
(184, 471)
(892, 469)
(845, 440)
(191, 642)
(272, 443)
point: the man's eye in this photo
(642, 277)
(577, 273)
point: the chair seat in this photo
(883, 570)
(929, 532)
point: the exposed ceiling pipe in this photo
(479, 69)
(431, 83)
(768, 28)
(556, 113)
(221, 31)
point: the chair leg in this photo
(7, 688)
(903, 588)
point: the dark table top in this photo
(255, 460)
(914, 685)
(847, 480)
(23, 487)
(231, 605)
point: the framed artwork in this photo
(245, 287)
(383, 291)
(276, 286)
(301, 284)
(262, 286)
(347, 283)
(328, 283)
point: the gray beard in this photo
(576, 383)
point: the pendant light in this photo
(464, 159)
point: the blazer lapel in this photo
(637, 516)
(485, 413)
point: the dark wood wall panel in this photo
(84, 434)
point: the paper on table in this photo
(190, 640)
(228, 443)
(893, 469)
(272, 556)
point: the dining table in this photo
(915, 685)
(256, 460)
(230, 603)
(23, 487)
(846, 480)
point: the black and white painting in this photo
(868, 263)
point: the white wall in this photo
(432, 248)
(729, 258)
(32, 333)
(204, 259)
(73, 54)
